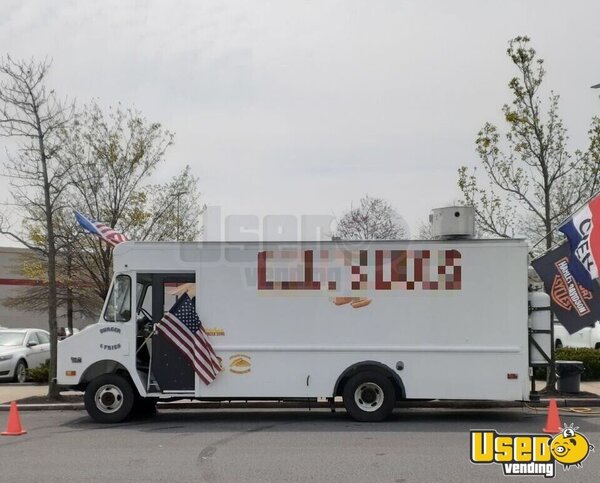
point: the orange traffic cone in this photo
(553, 425)
(14, 428)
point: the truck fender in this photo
(369, 366)
(98, 368)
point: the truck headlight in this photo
(5, 358)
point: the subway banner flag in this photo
(575, 306)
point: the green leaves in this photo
(530, 180)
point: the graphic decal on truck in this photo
(349, 270)
(355, 302)
(240, 364)
(112, 334)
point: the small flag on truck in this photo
(182, 326)
(108, 234)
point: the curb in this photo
(433, 404)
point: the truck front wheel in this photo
(369, 396)
(109, 398)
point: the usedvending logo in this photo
(530, 454)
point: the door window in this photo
(43, 338)
(118, 308)
(33, 338)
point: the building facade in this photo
(14, 282)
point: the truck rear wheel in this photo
(109, 398)
(369, 396)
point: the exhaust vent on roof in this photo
(452, 222)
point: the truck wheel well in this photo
(370, 366)
(102, 367)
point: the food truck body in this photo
(371, 321)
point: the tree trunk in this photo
(53, 391)
(70, 288)
(70, 310)
(551, 375)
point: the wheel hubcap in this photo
(368, 397)
(109, 398)
(21, 373)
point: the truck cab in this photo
(112, 360)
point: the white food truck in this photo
(371, 321)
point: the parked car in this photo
(64, 332)
(586, 337)
(21, 349)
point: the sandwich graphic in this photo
(240, 364)
(355, 302)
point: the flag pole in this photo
(564, 221)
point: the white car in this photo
(21, 349)
(586, 337)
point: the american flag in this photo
(182, 326)
(108, 234)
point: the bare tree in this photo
(118, 153)
(75, 294)
(37, 120)
(373, 219)
(425, 230)
(531, 181)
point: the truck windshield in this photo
(11, 338)
(118, 308)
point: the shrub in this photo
(589, 357)
(39, 374)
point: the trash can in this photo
(569, 375)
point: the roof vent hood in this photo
(452, 222)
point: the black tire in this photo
(369, 396)
(109, 398)
(558, 344)
(20, 369)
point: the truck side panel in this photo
(459, 342)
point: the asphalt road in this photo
(416, 445)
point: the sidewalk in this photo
(13, 392)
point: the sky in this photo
(303, 107)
